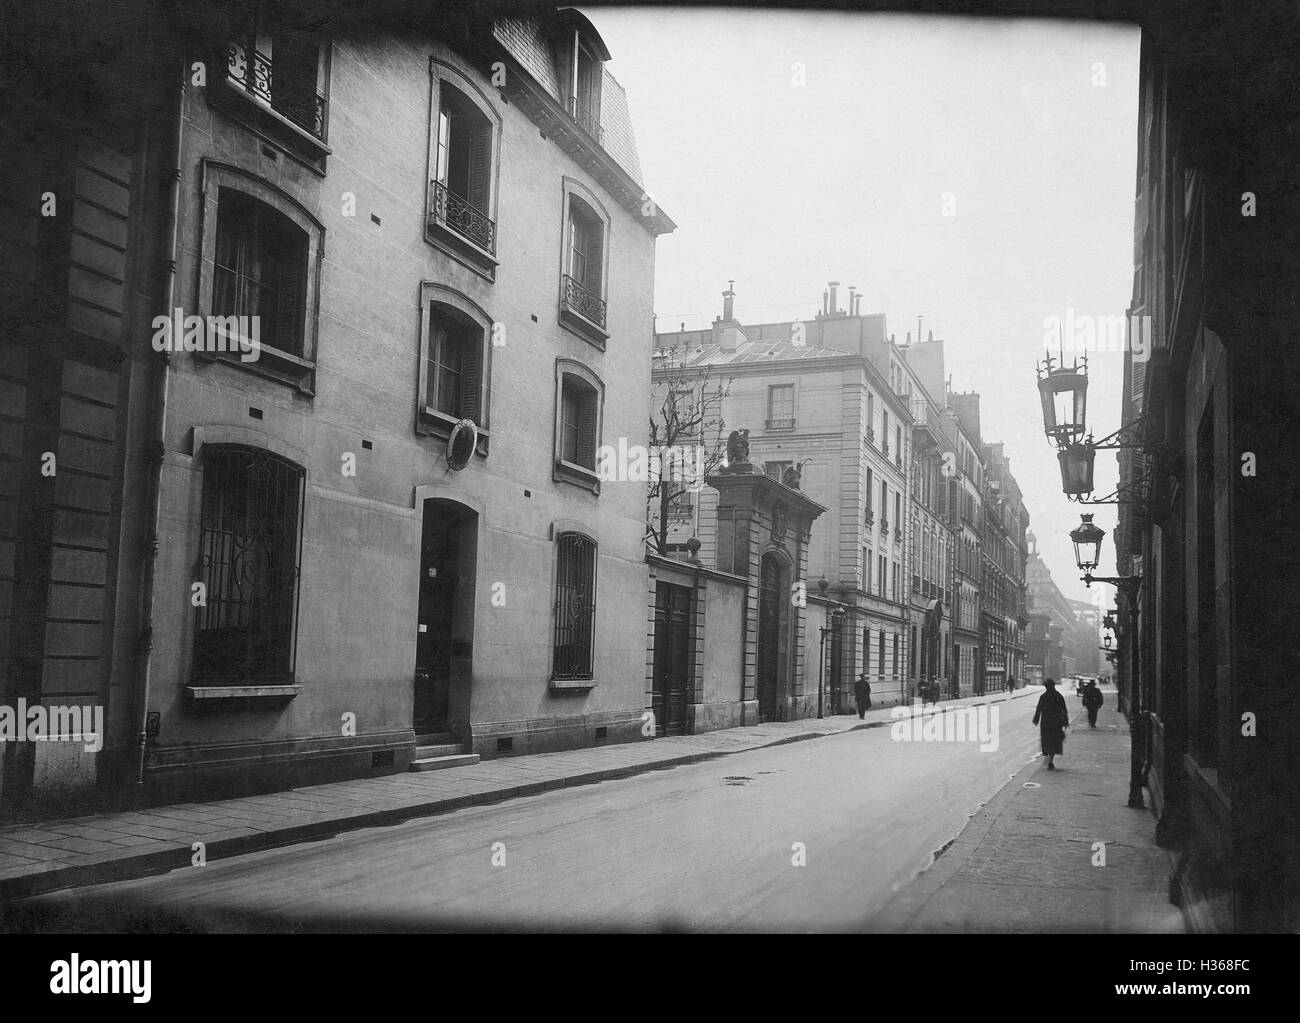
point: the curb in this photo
(130, 866)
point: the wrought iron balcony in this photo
(586, 304)
(586, 120)
(779, 424)
(460, 215)
(293, 96)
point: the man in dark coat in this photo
(1092, 701)
(1051, 716)
(862, 695)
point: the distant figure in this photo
(1011, 684)
(862, 695)
(1092, 701)
(1051, 716)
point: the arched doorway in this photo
(773, 635)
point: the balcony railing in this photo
(884, 527)
(586, 120)
(463, 217)
(779, 424)
(586, 304)
(293, 97)
(869, 518)
(871, 435)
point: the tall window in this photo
(884, 432)
(780, 406)
(260, 269)
(882, 572)
(575, 606)
(870, 517)
(776, 469)
(578, 411)
(896, 662)
(455, 364)
(584, 286)
(882, 653)
(463, 169)
(884, 501)
(248, 564)
(866, 569)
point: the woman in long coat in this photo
(1051, 716)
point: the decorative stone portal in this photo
(762, 535)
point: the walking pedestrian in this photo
(862, 695)
(1092, 701)
(1051, 716)
(1011, 684)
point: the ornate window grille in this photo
(575, 606)
(248, 564)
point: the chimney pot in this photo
(835, 306)
(728, 298)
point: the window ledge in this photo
(287, 133)
(578, 475)
(589, 331)
(273, 364)
(461, 248)
(243, 692)
(432, 423)
(572, 685)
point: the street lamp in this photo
(1087, 538)
(1076, 469)
(1064, 395)
(1063, 391)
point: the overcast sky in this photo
(1025, 129)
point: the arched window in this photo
(260, 269)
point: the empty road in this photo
(809, 836)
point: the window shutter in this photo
(1136, 325)
(595, 258)
(480, 166)
(587, 428)
(471, 378)
(289, 297)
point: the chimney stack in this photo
(930, 337)
(835, 306)
(727, 301)
(825, 302)
(853, 300)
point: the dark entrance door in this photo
(439, 558)
(773, 604)
(671, 664)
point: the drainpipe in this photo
(157, 444)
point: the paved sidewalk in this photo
(1025, 862)
(45, 855)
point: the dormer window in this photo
(585, 101)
